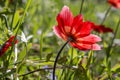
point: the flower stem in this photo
(108, 10)
(116, 30)
(81, 6)
(56, 59)
(108, 59)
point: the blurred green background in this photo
(42, 44)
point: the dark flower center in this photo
(71, 38)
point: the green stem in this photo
(49, 68)
(81, 6)
(15, 7)
(108, 59)
(116, 30)
(56, 59)
(110, 46)
(71, 58)
(108, 10)
(21, 20)
(11, 28)
(41, 44)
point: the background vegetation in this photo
(33, 57)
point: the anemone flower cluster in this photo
(76, 30)
(7, 44)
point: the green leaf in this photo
(23, 17)
(116, 68)
(90, 59)
(79, 74)
(62, 60)
(48, 56)
(72, 53)
(16, 18)
(22, 54)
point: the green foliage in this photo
(33, 57)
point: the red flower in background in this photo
(115, 3)
(76, 30)
(7, 44)
(101, 29)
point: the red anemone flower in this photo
(74, 28)
(115, 3)
(101, 29)
(7, 44)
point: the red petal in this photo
(76, 23)
(91, 39)
(96, 47)
(11, 39)
(75, 45)
(84, 29)
(101, 29)
(81, 46)
(65, 18)
(59, 33)
(7, 44)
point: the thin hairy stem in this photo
(106, 14)
(56, 59)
